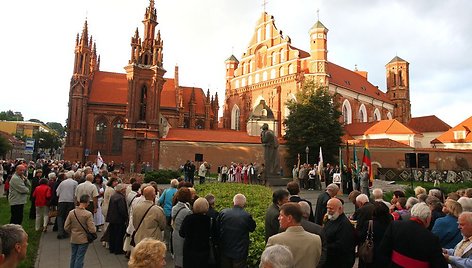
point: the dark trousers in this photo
(63, 209)
(232, 263)
(32, 212)
(16, 214)
(202, 179)
(117, 233)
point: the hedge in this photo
(258, 200)
(161, 176)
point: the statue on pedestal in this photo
(271, 154)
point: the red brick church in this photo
(123, 115)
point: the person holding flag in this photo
(99, 160)
(355, 170)
(366, 176)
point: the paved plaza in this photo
(56, 253)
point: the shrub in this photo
(161, 176)
(258, 200)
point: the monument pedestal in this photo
(277, 180)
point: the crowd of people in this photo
(144, 222)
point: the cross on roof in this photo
(264, 4)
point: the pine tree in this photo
(313, 122)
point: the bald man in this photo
(148, 219)
(339, 234)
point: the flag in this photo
(320, 163)
(347, 157)
(340, 160)
(355, 172)
(366, 160)
(99, 160)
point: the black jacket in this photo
(340, 242)
(411, 239)
(296, 199)
(235, 224)
(196, 231)
(117, 210)
(320, 211)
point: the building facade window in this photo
(362, 113)
(377, 115)
(101, 132)
(117, 136)
(347, 112)
(235, 114)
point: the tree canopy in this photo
(11, 116)
(313, 121)
(57, 127)
(5, 146)
(47, 140)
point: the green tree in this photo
(11, 116)
(57, 127)
(47, 140)
(313, 122)
(5, 146)
(36, 121)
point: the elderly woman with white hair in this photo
(276, 256)
(410, 244)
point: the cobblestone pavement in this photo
(56, 253)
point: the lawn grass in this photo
(445, 187)
(28, 225)
(258, 199)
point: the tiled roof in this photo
(219, 136)
(428, 123)
(232, 58)
(351, 80)
(358, 129)
(168, 94)
(396, 59)
(391, 126)
(109, 88)
(448, 137)
(318, 25)
(200, 99)
(112, 88)
(382, 143)
(302, 53)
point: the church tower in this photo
(144, 73)
(398, 88)
(319, 52)
(86, 63)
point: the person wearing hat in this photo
(117, 217)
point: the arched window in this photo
(236, 84)
(264, 76)
(273, 73)
(101, 132)
(274, 58)
(259, 33)
(117, 136)
(235, 114)
(282, 55)
(389, 115)
(243, 68)
(268, 32)
(142, 103)
(249, 80)
(281, 71)
(347, 112)
(362, 114)
(291, 69)
(377, 115)
(199, 124)
(243, 82)
(257, 78)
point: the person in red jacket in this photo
(42, 195)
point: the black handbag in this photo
(366, 249)
(90, 236)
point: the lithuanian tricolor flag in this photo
(366, 160)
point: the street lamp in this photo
(153, 144)
(307, 150)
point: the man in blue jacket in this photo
(235, 224)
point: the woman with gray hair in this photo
(466, 203)
(276, 256)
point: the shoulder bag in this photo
(366, 249)
(132, 242)
(90, 236)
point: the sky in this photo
(38, 40)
